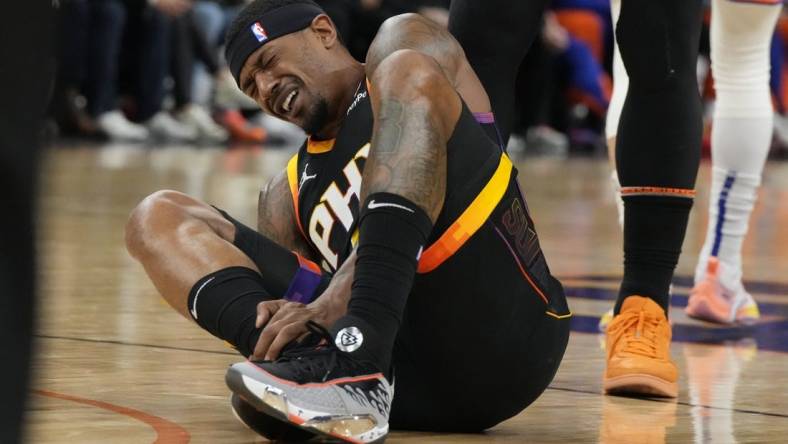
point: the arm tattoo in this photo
(408, 156)
(276, 217)
(412, 31)
(390, 121)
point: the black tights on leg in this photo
(659, 136)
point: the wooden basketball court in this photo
(115, 365)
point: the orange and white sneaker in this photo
(638, 351)
(711, 301)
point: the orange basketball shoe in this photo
(638, 351)
(710, 301)
(604, 321)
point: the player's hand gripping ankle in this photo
(285, 321)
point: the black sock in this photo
(653, 234)
(225, 304)
(392, 233)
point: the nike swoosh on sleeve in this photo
(372, 205)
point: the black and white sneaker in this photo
(321, 389)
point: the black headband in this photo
(258, 32)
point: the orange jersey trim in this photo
(306, 263)
(657, 191)
(292, 179)
(470, 220)
(319, 146)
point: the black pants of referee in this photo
(26, 74)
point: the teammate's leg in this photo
(495, 36)
(658, 141)
(657, 153)
(740, 139)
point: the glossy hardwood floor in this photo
(115, 364)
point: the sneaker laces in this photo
(316, 358)
(639, 333)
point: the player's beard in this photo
(317, 116)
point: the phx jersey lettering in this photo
(325, 182)
(481, 196)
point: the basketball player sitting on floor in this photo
(396, 243)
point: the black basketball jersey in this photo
(325, 182)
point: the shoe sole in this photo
(234, 380)
(703, 310)
(641, 384)
(267, 426)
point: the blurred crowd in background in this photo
(153, 71)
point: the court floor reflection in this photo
(712, 375)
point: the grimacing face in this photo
(284, 77)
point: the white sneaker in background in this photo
(119, 128)
(198, 118)
(164, 126)
(711, 300)
(288, 134)
(544, 140)
(516, 145)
